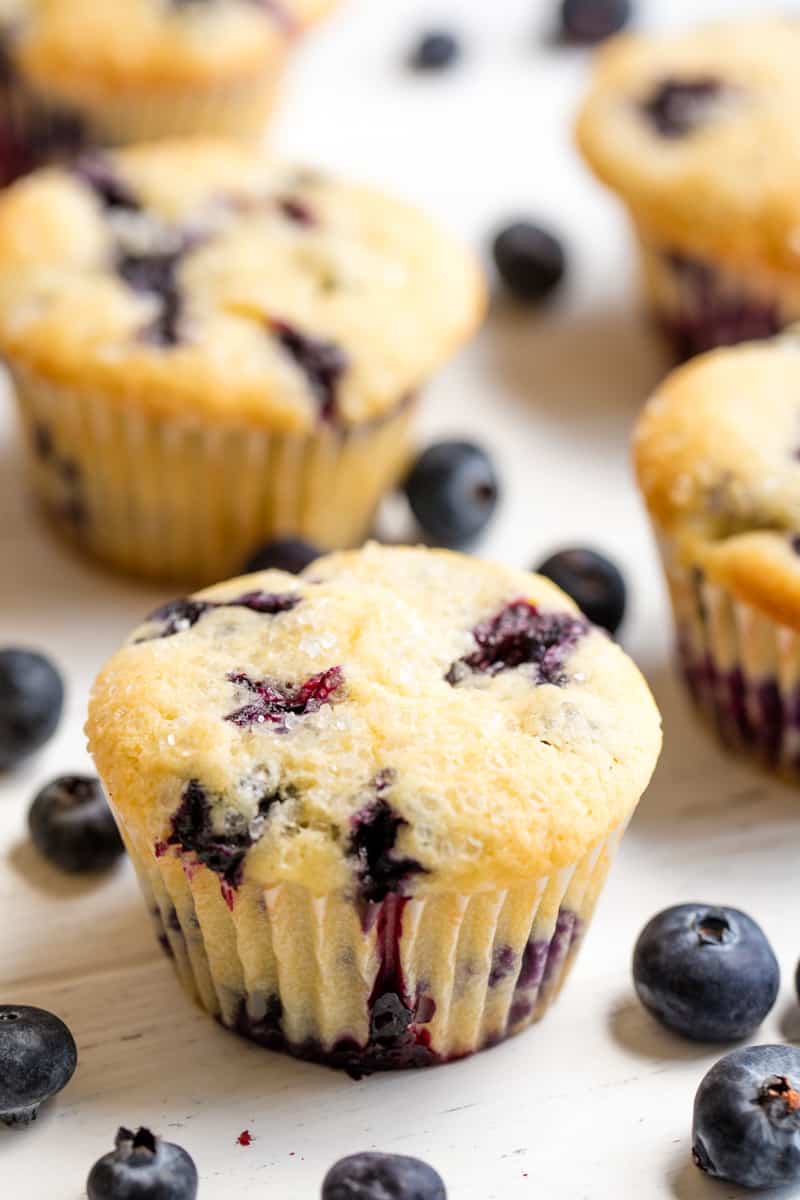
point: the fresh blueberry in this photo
(530, 260)
(435, 50)
(37, 1059)
(746, 1125)
(382, 1177)
(72, 826)
(708, 973)
(594, 583)
(453, 491)
(283, 554)
(586, 22)
(31, 700)
(142, 1167)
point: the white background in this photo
(596, 1102)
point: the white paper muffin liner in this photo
(403, 983)
(741, 668)
(43, 127)
(701, 303)
(180, 499)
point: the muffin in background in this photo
(77, 73)
(210, 350)
(718, 460)
(697, 135)
(372, 807)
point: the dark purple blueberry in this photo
(435, 50)
(521, 635)
(297, 210)
(592, 581)
(179, 615)
(224, 850)
(282, 554)
(375, 1176)
(389, 1019)
(678, 106)
(323, 364)
(707, 973)
(268, 603)
(157, 274)
(142, 1167)
(710, 312)
(31, 701)
(276, 701)
(72, 827)
(37, 1059)
(586, 22)
(43, 445)
(530, 260)
(99, 174)
(504, 961)
(453, 492)
(372, 842)
(746, 1125)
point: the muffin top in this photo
(393, 720)
(698, 132)
(718, 459)
(73, 45)
(195, 276)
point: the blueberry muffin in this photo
(697, 133)
(372, 807)
(718, 459)
(210, 349)
(80, 72)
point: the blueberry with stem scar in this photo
(37, 1059)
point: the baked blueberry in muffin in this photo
(355, 807)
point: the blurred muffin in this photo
(697, 134)
(77, 72)
(210, 350)
(372, 807)
(718, 460)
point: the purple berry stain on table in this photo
(520, 635)
(275, 702)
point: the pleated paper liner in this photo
(741, 668)
(407, 982)
(701, 303)
(167, 498)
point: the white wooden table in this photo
(596, 1102)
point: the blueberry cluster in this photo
(709, 973)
